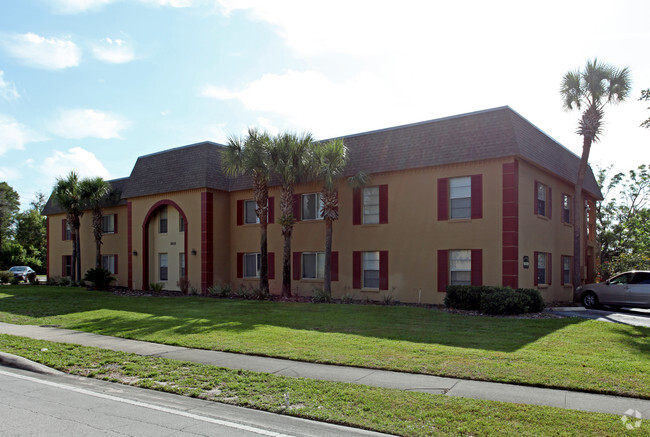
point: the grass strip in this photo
(567, 353)
(384, 410)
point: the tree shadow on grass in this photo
(168, 319)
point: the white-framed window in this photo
(181, 263)
(250, 217)
(252, 262)
(311, 206)
(370, 269)
(566, 269)
(313, 265)
(542, 198)
(162, 224)
(460, 197)
(371, 206)
(163, 266)
(108, 224)
(542, 268)
(460, 267)
(108, 263)
(181, 223)
(68, 232)
(566, 208)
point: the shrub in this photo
(33, 280)
(184, 285)
(536, 303)
(5, 276)
(466, 297)
(65, 281)
(194, 290)
(243, 292)
(220, 290)
(100, 278)
(348, 297)
(505, 301)
(15, 280)
(156, 287)
(320, 296)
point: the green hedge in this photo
(494, 300)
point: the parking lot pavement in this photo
(626, 316)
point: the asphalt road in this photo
(626, 316)
(63, 405)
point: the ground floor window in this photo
(252, 262)
(109, 262)
(542, 268)
(181, 263)
(370, 269)
(567, 261)
(163, 274)
(67, 265)
(313, 265)
(460, 267)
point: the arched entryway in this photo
(164, 245)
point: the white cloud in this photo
(76, 159)
(88, 123)
(41, 52)
(266, 125)
(14, 135)
(114, 51)
(7, 89)
(9, 173)
(172, 3)
(77, 6)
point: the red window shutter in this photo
(115, 225)
(240, 264)
(562, 258)
(356, 207)
(477, 266)
(549, 268)
(383, 204)
(535, 271)
(270, 264)
(383, 270)
(443, 200)
(477, 196)
(270, 218)
(240, 214)
(116, 268)
(63, 272)
(535, 188)
(296, 207)
(334, 266)
(549, 207)
(443, 270)
(297, 270)
(63, 230)
(356, 269)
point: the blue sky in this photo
(90, 85)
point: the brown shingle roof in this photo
(488, 134)
(51, 207)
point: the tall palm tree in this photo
(250, 156)
(330, 159)
(291, 160)
(68, 196)
(589, 90)
(93, 192)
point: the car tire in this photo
(590, 300)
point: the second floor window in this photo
(108, 224)
(460, 197)
(371, 205)
(162, 223)
(566, 208)
(250, 216)
(311, 207)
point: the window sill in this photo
(542, 217)
(318, 220)
(460, 220)
(542, 286)
(313, 280)
(568, 225)
(370, 290)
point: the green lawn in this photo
(392, 411)
(566, 353)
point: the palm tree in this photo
(330, 159)
(291, 162)
(250, 156)
(68, 196)
(590, 90)
(93, 192)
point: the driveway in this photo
(626, 316)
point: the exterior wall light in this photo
(193, 252)
(135, 253)
(526, 262)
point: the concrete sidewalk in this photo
(356, 375)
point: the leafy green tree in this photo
(645, 95)
(31, 233)
(589, 90)
(68, 195)
(9, 207)
(250, 156)
(93, 192)
(291, 161)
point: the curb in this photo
(17, 362)
(566, 309)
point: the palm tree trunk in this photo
(73, 263)
(97, 231)
(261, 192)
(264, 268)
(327, 279)
(287, 220)
(78, 242)
(578, 210)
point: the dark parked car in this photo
(23, 272)
(629, 289)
